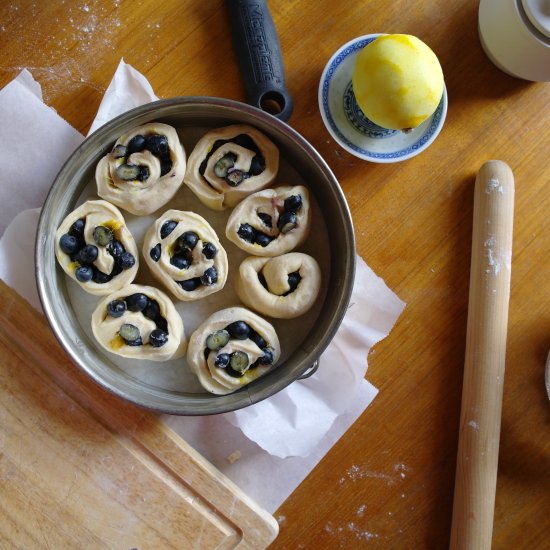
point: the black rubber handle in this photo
(259, 56)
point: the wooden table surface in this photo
(388, 483)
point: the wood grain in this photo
(389, 482)
(79, 468)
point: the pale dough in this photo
(270, 202)
(142, 197)
(214, 191)
(105, 328)
(169, 274)
(215, 379)
(274, 300)
(99, 213)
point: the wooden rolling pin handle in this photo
(479, 435)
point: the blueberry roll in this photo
(283, 287)
(183, 252)
(139, 322)
(144, 169)
(232, 348)
(271, 222)
(96, 249)
(228, 164)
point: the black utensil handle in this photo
(259, 56)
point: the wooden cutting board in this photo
(81, 468)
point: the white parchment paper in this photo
(285, 435)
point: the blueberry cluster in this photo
(237, 363)
(182, 256)
(73, 244)
(157, 144)
(150, 309)
(288, 220)
(225, 167)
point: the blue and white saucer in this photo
(352, 129)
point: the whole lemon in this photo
(397, 81)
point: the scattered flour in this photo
(356, 473)
(494, 186)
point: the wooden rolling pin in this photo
(477, 462)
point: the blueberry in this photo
(126, 260)
(257, 339)
(102, 235)
(293, 203)
(187, 240)
(209, 251)
(244, 140)
(239, 330)
(119, 151)
(152, 310)
(190, 284)
(84, 273)
(155, 252)
(266, 219)
(239, 361)
(209, 277)
(167, 227)
(157, 144)
(232, 372)
(77, 228)
(181, 261)
(165, 165)
(135, 145)
(257, 166)
(143, 173)
(161, 323)
(100, 277)
(117, 270)
(116, 308)
(88, 254)
(294, 280)
(247, 233)
(223, 165)
(217, 340)
(287, 222)
(267, 357)
(222, 360)
(262, 239)
(137, 302)
(158, 338)
(130, 334)
(234, 178)
(128, 172)
(137, 342)
(115, 248)
(68, 243)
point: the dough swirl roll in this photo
(231, 348)
(283, 287)
(144, 169)
(96, 249)
(271, 222)
(139, 322)
(184, 253)
(228, 164)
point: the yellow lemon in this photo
(397, 81)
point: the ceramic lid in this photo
(538, 12)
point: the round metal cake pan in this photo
(181, 112)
